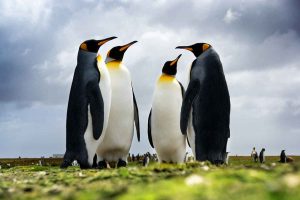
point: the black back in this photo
(208, 95)
(84, 92)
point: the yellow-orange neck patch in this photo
(166, 78)
(114, 64)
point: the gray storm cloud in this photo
(258, 42)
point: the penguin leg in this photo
(121, 163)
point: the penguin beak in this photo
(175, 61)
(189, 48)
(126, 46)
(101, 42)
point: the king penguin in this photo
(88, 106)
(164, 132)
(206, 105)
(123, 112)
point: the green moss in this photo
(242, 179)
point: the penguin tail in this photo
(188, 99)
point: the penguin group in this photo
(102, 110)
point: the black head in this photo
(197, 49)
(94, 45)
(263, 149)
(117, 53)
(170, 67)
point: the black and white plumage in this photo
(87, 106)
(123, 112)
(206, 105)
(164, 119)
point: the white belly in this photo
(119, 133)
(191, 131)
(167, 138)
(105, 88)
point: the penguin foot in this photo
(64, 164)
(102, 164)
(121, 163)
(84, 166)
(218, 162)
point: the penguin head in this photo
(94, 45)
(117, 53)
(197, 49)
(170, 67)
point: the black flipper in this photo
(191, 93)
(182, 89)
(136, 116)
(96, 103)
(149, 129)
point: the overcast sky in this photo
(258, 42)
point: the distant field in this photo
(241, 179)
(57, 161)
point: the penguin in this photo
(123, 112)
(262, 158)
(88, 106)
(164, 132)
(146, 160)
(283, 157)
(205, 110)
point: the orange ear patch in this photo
(205, 47)
(83, 46)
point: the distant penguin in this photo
(146, 160)
(89, 103)
(164, 119)
(283, 157)
(206, 105)
(262, 158)
(123, 113)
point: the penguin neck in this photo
(166, 78)
(86, 58)
(100, 60)
(205, 53)
(112, 63)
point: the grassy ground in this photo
(241, 179)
